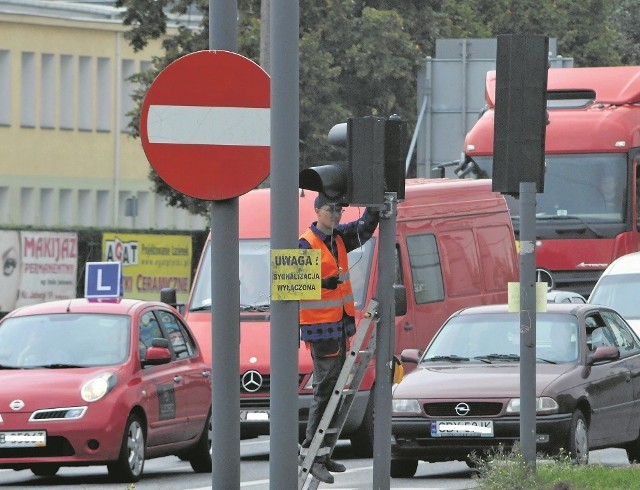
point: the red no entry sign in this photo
(205, 125)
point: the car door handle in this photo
(407, 327)
(177, 379)
(206, 374)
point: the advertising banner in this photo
(150, 263)
(37, 266)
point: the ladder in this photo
(341, 399)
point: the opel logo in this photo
(252, 381)
(462, 409)
(16, 405)
(543, 275)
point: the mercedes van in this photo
(454, 248)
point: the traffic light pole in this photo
(384, 344)
(528, 323)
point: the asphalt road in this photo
(172, 474)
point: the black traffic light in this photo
(376, 148)
(521, 112)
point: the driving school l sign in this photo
(205, 125)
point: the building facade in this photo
(67, 158)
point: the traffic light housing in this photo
(520, 112)
(375, 151)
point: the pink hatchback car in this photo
(101, 383)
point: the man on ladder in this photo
(326, 324)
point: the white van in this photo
(618, 288)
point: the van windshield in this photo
(254, 267)
(617, 292)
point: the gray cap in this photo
(321, 200)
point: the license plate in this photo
(462, 428)
(254, 415)
(27, 438)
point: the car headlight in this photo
(96, 388)
(401, 405)
(544, 405)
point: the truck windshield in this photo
(588, 187)
(255, 284)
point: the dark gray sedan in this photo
(463, 397)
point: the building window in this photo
(103, 208)
(85, 207)
(5, 216)
(103, 122)
(48, 92)
(47, 207)
(5, 87)
(66, 92)
(66, 207)
(27, 206)
(28, 91)
(126, 101)
(85, 94)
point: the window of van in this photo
(254, 274)
(426, 270)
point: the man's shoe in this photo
(334, 466)
(321, 473)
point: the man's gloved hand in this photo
(330, 282)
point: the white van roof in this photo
(627, 264)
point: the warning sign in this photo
(295, 274)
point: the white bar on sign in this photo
(191, 125)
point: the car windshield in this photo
(577, 188)
(495, 337)
(254, 272)
(618, 292)
(64, 340)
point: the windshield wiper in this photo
(256, 307)
(549, 361)
(451, 357)
(501, 357)
(200, 308)
(61, 366)
(569, 216)
(2, 366)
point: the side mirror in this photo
(411, 355)
(158, 353)
(400, 297)
(608, 353)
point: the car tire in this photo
(579, 438)
(130, 463)
(362, 438)
(403, 468)
(45, 469)
(200, 457)
(633, 451)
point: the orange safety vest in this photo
(330, 307)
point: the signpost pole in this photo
(284, 235)
(225, 289)
(528, 323)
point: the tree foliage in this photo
(361, 57)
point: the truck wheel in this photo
(403, 468)
(128, 468)
(362, 438)
(200, 457)
(579, 438)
